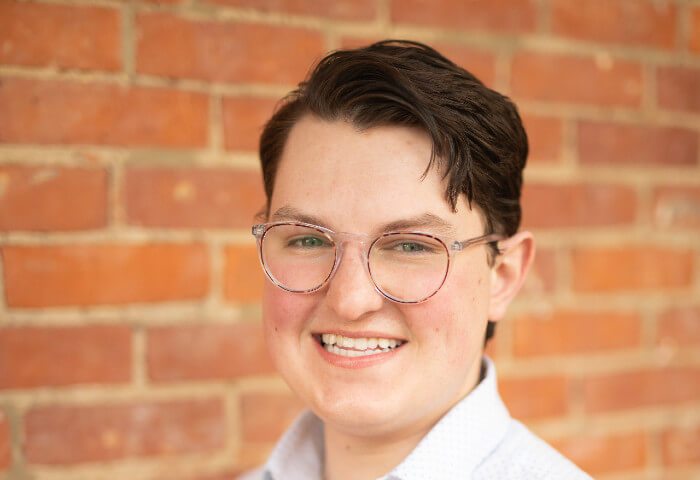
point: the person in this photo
(391, 249)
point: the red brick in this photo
(206, 352)
(537, 397)
(193, 197)
(544, 135)
(679, 88)
(235, 52)
(577, 205)
(677, 207)
(265, 416)
(339, 9)
(244, 119)
(41, 357)
(643, 388)
(680, 446)
(52, 198)
(565, 332)
(695, 29)
(607, 143)
(75, 434)
(243, 274)
(100, 114)
(628, 22)
(542, 277)
(679, 327)
(513, 16)
(632, 268)
(64, 36)
(579, 80)
(599, 454)
(59, 275)
(5, 443)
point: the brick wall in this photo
(130, 340)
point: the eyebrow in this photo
(428, 222)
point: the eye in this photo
(410, 247)
(307, 242)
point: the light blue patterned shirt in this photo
(476, 440)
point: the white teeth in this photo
(357, 347)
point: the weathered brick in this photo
(641, 388)
(615, 144)
(544, 135)
(694, 41)
(631, 268)
(680, 446)
(679, 327)
(193, 197)
(577, 205)
(512, 16)
(243, 274)
(628, 22)
(567, 332)
(536, 397)
(265, 416)
(5, 443)
(244, 119)
(602, 454)
(235, 52)
(52, 198)
(206, 352)
(42, 276)
(678, 88)
(57, 434)
(339, 9)
(53, 111)
(64, 36)
(578, 80)
(54, 356)
(677, 207)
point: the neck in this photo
(358, 458)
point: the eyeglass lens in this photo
(405, 267)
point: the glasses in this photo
(406, 267)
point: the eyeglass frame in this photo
(455, 246)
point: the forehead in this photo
(356, 179)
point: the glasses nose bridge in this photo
(342, 240)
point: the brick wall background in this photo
(130, 344)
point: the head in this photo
(386, 134)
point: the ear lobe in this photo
(509, 272)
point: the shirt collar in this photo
(460, 441)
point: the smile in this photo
(357, 347)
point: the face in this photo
(360, 182)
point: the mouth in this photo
(356, 346)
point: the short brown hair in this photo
(478, 139)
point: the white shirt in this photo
(476, 440)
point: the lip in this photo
(356, 362)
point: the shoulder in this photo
(523, 455)
(257, 474)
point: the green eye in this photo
(307, 242)
(411, 247)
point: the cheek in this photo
(284, 315)
(452, 324)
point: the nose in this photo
(351, 293)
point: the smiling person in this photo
(391, 249)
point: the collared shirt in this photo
(476, 440)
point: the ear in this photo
(509, 271)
